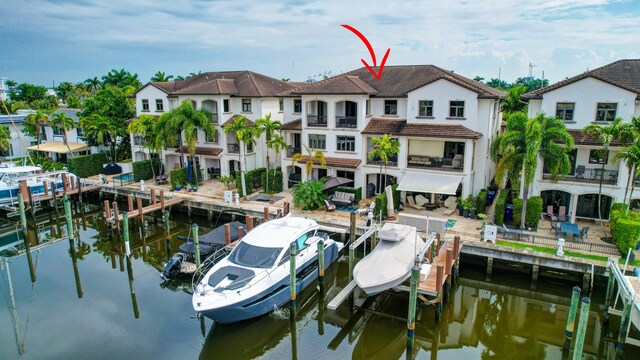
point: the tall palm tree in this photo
(384, 147)
(37, 120)
(104, 130)
(160, 76)
(512, 102)
(185, 119)
(629, 134)
(93, 85)
(630, 154)
(606, 134)
(517, 151)
(312, 157)
(115, 78)
(268, 127)
(245, 134)
(64, 123)
(277, 144)
(145, 126)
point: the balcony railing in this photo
(393, 162)
(589, 175)
(138, 140)
(435, 162)
(233, 148)
(214, 118)
(292, 151)
(349, 122)
(317, 120)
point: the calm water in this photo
(89, 302)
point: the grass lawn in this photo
(553, 251)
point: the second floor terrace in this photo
(586, 167)
(346, 114)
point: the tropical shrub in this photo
(178, 177)
(501, 202)
(517, 210)
(534, 211)
(619, 206)
(251, 178)
(275, 181)
(87, 165)
(626, 234)
(227, 180)
(481, 201)
(308, 195)
(381, 205)
(142, 169)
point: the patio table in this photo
(570, 228)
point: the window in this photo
(209, 138)
(391, 107)
(346, 174)
(425, 108)
(297, 106)
(246, 105)
(564, 111)
(346, 143)
(317, 141)
(598, 157)
(159, 105)
(145, 104)
(606, 111)
(254, 256)
(79, 132)
(225, 105)
(56, 129)
(456, 109)
(281, 105)
(368, 107)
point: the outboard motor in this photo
(173, 266)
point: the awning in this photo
(430, 183)
(59, 147)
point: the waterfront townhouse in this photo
(443, 121)
(597, 96)
(227, 95)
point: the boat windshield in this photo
(254, 256)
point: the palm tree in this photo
(269, 128)
(103, 129)
(277, 144)
(630, 154)
(312, 157)
(64, 123)
(93, 85)
(512, 102)
(5, 138)
(179, 78)
(517, 150)
(606, 134)
(160, 76)
(64, 89)
(186, 119)
(115, 78)
(245, 134)
(37, 120)
(11, 83)
(145, 126)
(478, 78)
(384, 148)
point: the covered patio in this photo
(432, 185)
(60, 148)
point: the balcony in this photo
(316, 120)
(347, 122)
(233, 148)
(455, 164)
(589, 175)
(392, 161)
(292, 151)
(138, 140)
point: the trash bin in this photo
(371, 190)
(490, 196)
(508, 213)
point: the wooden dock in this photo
(139, 210)
(447, 256)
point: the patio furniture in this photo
(512, 232)
(421, 201)
(411, 202)
(550, 213)
(430, 206)
(450, 203)
(369, 209)
(570, 229)
(562, 213)
(583, 232)
(343, 198)
(555, 227)
(580, 171)
(329, 205)
(161, 180)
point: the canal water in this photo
(83, 299)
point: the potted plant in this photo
(472, 212)
(178, 186)
(460, 206)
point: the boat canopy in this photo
(430, 183)
(59, 147)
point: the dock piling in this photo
(167, 232)
(162, 200)
(79, 189)
(248, 220)
(582, 328)
(116, 215)
(292, 279)
(449, 272)
(125, 234)
(568, 333)
(321, 264)
(139, 204)
(107, 210)
(67, 213)
(439, 275)
(23, 216)
(266, 213)
(196, 243)
(413, 298)
(227, 234)
(240, 232)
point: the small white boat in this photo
(10, 175)
(390, 262)
(254, 279)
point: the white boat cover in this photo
(390, 262)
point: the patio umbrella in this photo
(335, 181)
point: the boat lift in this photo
(628, 287)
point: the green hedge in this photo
(249, 177)
(627, 233)
(534, 211)
(87, 165)
(381, 205)
(275, 181)
(501, 202)
(619, 206)
(482, 202)
(142, 169)
(517, 211)
(178, 177)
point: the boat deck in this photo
(429, 286)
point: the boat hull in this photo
(275, 296)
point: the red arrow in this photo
(373, 54)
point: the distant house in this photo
(594, 97)
(53, 141)
(16, 149)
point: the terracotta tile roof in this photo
(293, 125)
(396, 81)
(402, 128)
(580, 138)
(233, 118)
(201, 151)
(622, 73)
(335, 162)
(235, 83)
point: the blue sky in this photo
(70, 40)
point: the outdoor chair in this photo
(161, 180)
(369, 209)
(583, 232)
(329, 205)
(555, 227)
(562, 213)
(550, 213)
(512, 232)
(411, 202)
(580, 169)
